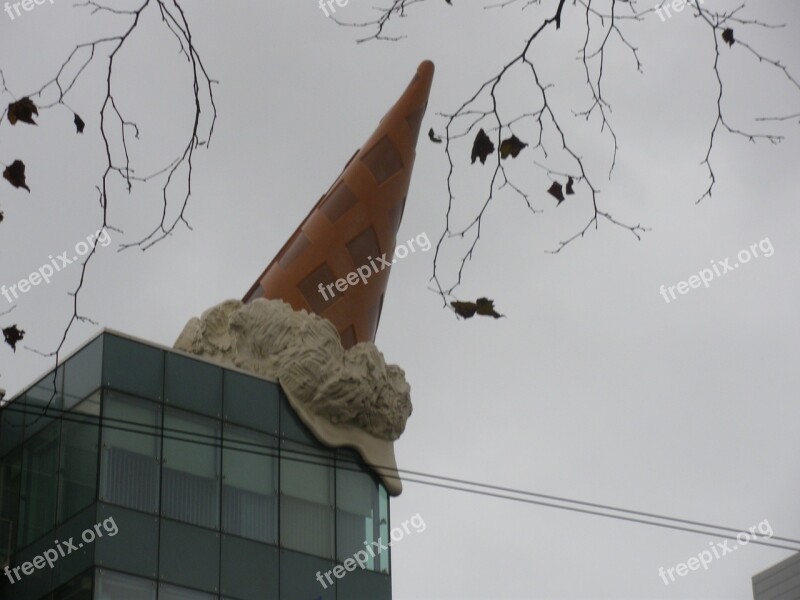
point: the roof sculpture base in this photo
(345, 397)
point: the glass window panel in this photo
(10, 480)
(117, 586)
(12, 425)
(80, 588)
(364, 584)
(193, 385)
(78, 471)
(298, 577)
(89, 406)
(357, 521)
(133, 367)
(173, 592)
(83, 373)
(191, 469)
(40, 581)
(306, 510)
(249, 570)
(189, 556)
(383, 514)
(131, 452)
(250, 485)
(134, 546)
(292, 427)
(251, 402)
(38, 489)
(356, 491)
(8, 589)
(80, 559)
(44, 402)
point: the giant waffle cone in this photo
(352, 225)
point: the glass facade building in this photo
(144, 473)
(779, 582)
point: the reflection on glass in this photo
(116, 586)
(10, 481)
(250, 485)
(306, 500)
(44, 402)
(83, 373)
(78, 472)
(131, 452)
(383, 513)
(173, 592)
(193, 384)
(357, 522)
(191, 477)
(78, 588)
(37, 512)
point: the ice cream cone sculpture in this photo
(352, 230)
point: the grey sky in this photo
(592, 388)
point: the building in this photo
(779, 582)
(214, 486)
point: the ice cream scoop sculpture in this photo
(320, 347)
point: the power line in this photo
(273, 451)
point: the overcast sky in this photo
(593, 387)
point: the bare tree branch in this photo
(115, 129)
(604, 22)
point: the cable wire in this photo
(273, 451)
